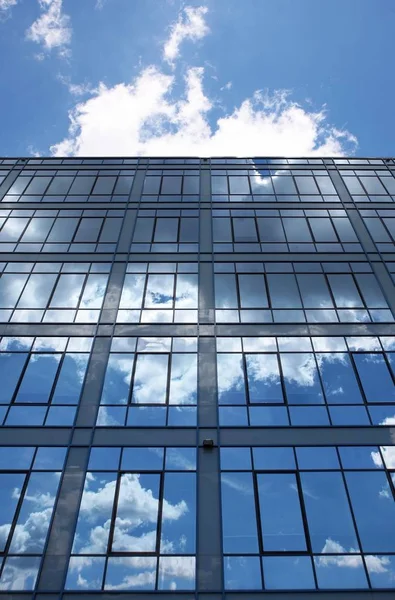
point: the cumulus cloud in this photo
(142, 118)
(52, 30)
(190, 25)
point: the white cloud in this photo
(52, 29)
(5, 7)
(227, 86)
(189, 26)
(142, 118)
(75, 89)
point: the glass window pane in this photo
(82, 185)
(283, 291)
(271, 230)
(144, 229)
(284, 185)
(306, 185)
(13, 229)
(244, 229)
(183, 380)
(375, 377)
(325, 184)
(314, 291)
(38, 378)
(94, 291)
(301, 380)
(160, 291)
(338, 378)
(178, 531)
(296, 229)
(104, 185)
(222, 230)
(225, 291)
(280, 512)
(88, 230)
(328, 513)
(60, 186)
(68, 291)
(264, 383)
(11, 366)
(322, 229)
(37, 230)
(374, 510)
(70, 380)
(37, 291)
(345, 291)
(239, 526)
(117, 379)
(252, 291)
(63, 230)
(136, 530)
(230, 376)
(166, 230)
(189, 229)
(288, 573)
(171, 185)
(239, 185)
(11, 286)
(150, 379)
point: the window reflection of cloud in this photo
(230, 373)
(138, 508)
(375, 564)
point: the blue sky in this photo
(93, 77)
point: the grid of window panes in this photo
(159, 293)
(60, 230)
(285, 230)
(29, 480)
(264, 185)
(298, 293)
(71, 186)
(381, 226)
(41, 379)
(169, 230)
(370, 186)
(136, 527)
(150, 382)
(308, 517)
(302, 381)
(171, 185)
(52, 292)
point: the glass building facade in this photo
(197, 378)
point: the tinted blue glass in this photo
(16, 458)
(374, 509)
(288, 573)
(146, 416)
(242, 573)
(38, 379)
(239, 527)
(338, 378)
(309, 415)
(273, 459)
(50, 458)
(70, 380)
(85, 574)
(264, 383)
(340, 572)
(317, 458)
(178, 534)
(375, 377)
(349, 415)
(11, 366)
(230, 379)
(360, 457)
(235, 459)
(134, 574)
(180, 459)
(381, 570)
(10, 489)
(26, 415)
(233, 416)
(117, 380)
(281, 516)
(328, 513)
(268, 415)
(142, 459)
(301, 379)
(104, 459)
(61, 415)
